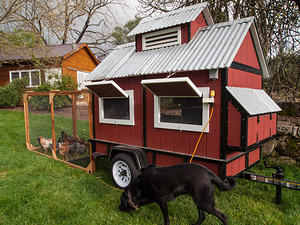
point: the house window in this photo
(117, 110)
(33, 76)
(162, 38)
(181, 113)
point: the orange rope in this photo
(117, 189)
(212, 110)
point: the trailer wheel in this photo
(123, 170)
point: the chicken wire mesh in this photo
(63, 134)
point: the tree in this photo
(67, 21)
(7, 9)
(120, 34)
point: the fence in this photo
(58, 125)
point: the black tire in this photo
(123, 170)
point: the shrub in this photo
(11, 95)
(66, 82)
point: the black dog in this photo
(162, 184)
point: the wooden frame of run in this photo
(73, 94)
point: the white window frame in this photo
(81, 83)
(129, 122)
(184, 127)
(162, 32)
(30, 79)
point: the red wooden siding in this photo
(258, 131)
(138, 41)
(253, 156)
(185, 33)
(238, 78)
(235, 166)
(164, 139)
(132, 135)
(234, 126)
(185, 141)
(246, 54)
(197, 23)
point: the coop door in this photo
(81, 77)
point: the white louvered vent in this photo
(162, 38)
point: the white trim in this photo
(129, 122)
(260, 55)
(81, 82)
(185, 127)
(104, 82)
(30, 79)
(161, 34)
(172, 80)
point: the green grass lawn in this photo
(38, 190)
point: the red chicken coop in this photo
(183, 77)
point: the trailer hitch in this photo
(278, 175)
(276, 179)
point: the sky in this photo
(124, 14)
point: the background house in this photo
(42, 63)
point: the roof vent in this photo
(162, 38)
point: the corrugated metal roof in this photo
(212, 47)
(254, 101)
(169, 19)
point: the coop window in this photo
(179, 104)
(33, 76)
(180, 110)
(117, 110)
(162, 38)
(182, 113)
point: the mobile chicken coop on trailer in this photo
(183, 77)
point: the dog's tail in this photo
(226, 185)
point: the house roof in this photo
(253, 101)
(212, 47)
(49, 51)
(173, 18)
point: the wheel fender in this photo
(137, 154)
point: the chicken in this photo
(45, 142)
(78, 148)
(64, 149)
(71, 139)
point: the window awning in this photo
(253, 101)
(106, 89)
(172, 87)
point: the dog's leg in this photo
(201, 214)
(218, 214)
(164, 209)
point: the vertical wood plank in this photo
(26, 119)
(74, 115)
(51, 96)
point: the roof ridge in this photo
(126, 45)
(229, 23)
(178, 10)
(168, 19)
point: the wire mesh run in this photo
(58, 125)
